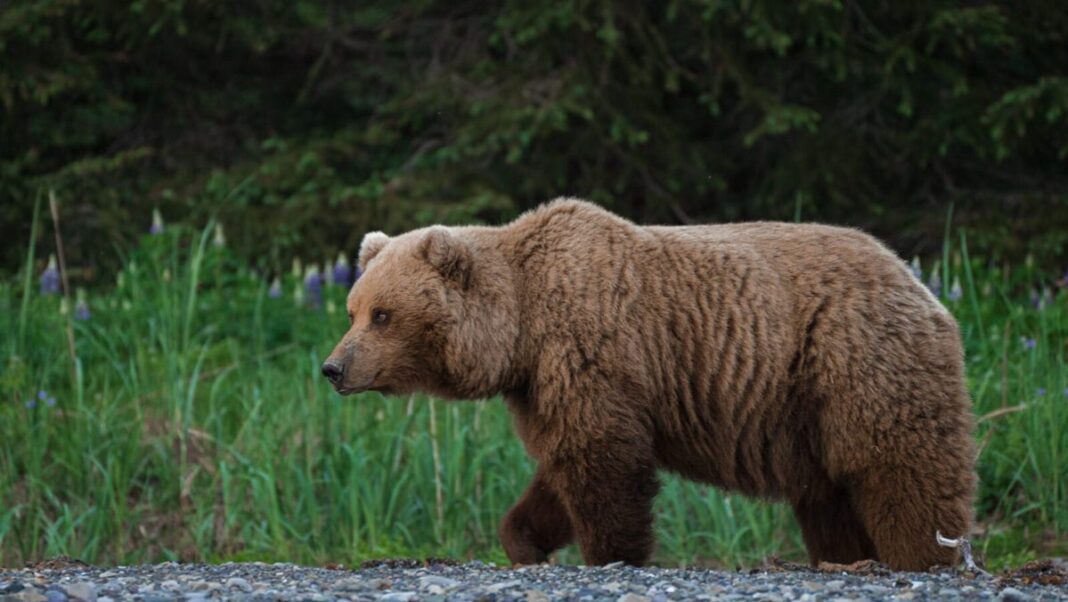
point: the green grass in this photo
(194, 425)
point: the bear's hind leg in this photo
(536, 526)
(902, 508)
(832, 530)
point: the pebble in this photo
(1011, 594)
(437, 580)
(82, 591)
(411, 580)
(239, 583)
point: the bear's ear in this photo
(371, 245)
(449, 255)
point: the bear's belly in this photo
(767, 458)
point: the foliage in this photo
(194, 425)
(302, 124)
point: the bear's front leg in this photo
(536, 526)
(608, 491)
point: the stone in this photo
(1011, 594)
(629, 597)
(536, 596)
(503, 585)
(82, 591)
(170, 585)
(28, 594)
(397, 597)
(437, 580)
(239, 583)
(55, 595)
(836, 584)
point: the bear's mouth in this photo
(367, 386)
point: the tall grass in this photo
(195, 425)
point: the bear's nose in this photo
(332, 371)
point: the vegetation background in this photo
(172, 408)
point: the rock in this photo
(379, 584)
(437, 580)
(11, 588)
(878, 590)
(239, 583)
(503, 585)
(436, 590)
(83, 591)
(351, 584)
(170, 585)
(813, 586)
(55, 595)
(836, 584)
(397, 597)
(536, 596)
(157, 597)
(628, 597)
(27, 594)
(1011, 594)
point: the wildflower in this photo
(157, 223)
(917, 270)
(276, 288)
(327, 274)
(313, 286)
(42, 395)
(31, 404)
(64, 307)
(50, 402)
(956, 292)
(342, 271)
(50, 278)
(1041, 391)
(298, 269)
(1066, 391)
(1029, 343)
(935, 282)
(81, 307)
(220, 238)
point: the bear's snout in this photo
(333, 372)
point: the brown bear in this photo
(796, 362)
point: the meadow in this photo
(178, 413)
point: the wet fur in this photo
(794, 362)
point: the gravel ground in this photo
(59, 581)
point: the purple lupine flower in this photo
(1030, 343)
(31, 404)
(50, 402)
(157, 223)
(276, 288)
(1041, 391)
(81, 311)
(50, 278)
(956, 292)
(81, 307)
(1036, 299)
(342, 272)
(935, 283)
(1066, 391)
(313, 286)
(42, 395)
(917, 269)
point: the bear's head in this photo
(433, 312)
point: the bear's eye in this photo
(379, 316)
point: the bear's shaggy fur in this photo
(794, 362)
